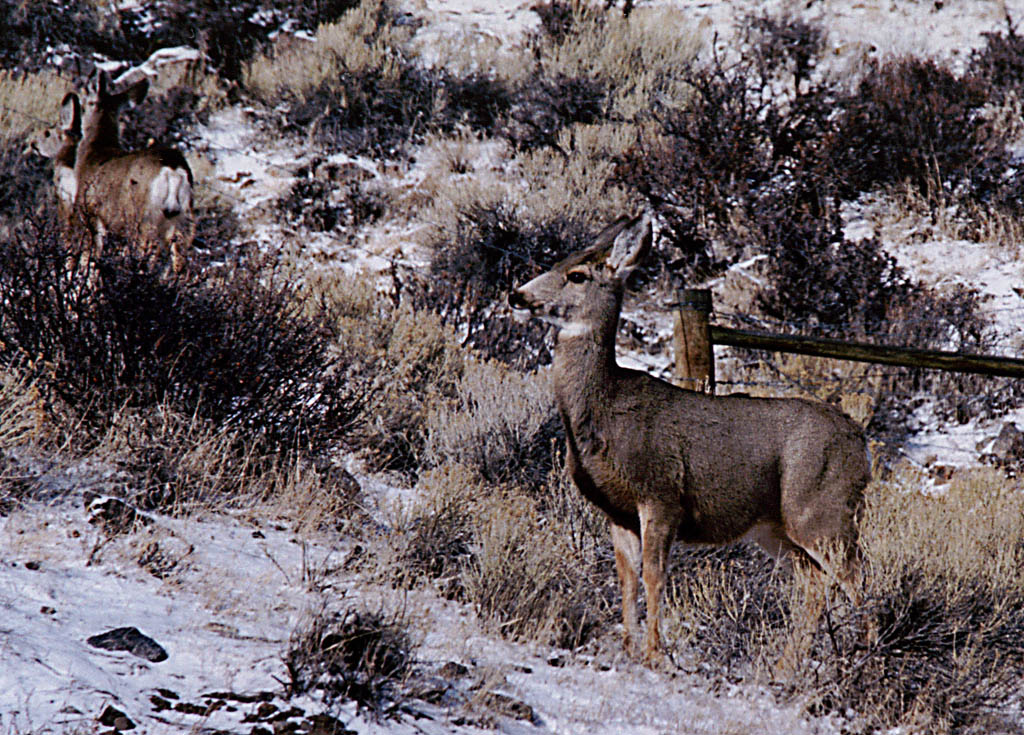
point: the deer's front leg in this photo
(657, 529)
(627, 564)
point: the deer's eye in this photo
(576, 276)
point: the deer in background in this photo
(143, 195)
(664, 463)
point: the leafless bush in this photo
(930, 661)
(351, 655)
(431, 538)
(121, 336)
(491, 249)
(323, 206)
(726, 602)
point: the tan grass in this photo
(644, 58)
(901, 213)
(22, 413)
(968, 535)
(353, 44)
(495, 413)
(578, 187)
(29, 102)
(540, 186)
(524, 576)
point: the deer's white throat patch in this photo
(67, 185)
(568, 330)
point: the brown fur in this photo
(666, 463)
(111, 188)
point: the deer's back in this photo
(117, 186)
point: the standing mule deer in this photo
(666, 463)
(143, 195)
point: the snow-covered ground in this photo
(233, 587)
(231, 590)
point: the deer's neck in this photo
(99, 136)
(584, 369)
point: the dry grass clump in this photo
(363, 39)
(430, 537)
(517, 558)
(944, 609)
(410, 361)
(525, 575)
(351, 655)
(19, 411)
(502, 424)
(581, 185)
(724, 607)
(641, 59)
(970, 535)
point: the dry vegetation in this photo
(242, 389)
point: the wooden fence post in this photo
(694, 357)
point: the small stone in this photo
(115, 718)
(453, 670)
(131, 640)
(326, 725)
(265, 710)
(503, 704)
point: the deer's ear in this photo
(71, 115)
(98, 85)
(630, 246)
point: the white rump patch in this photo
(170, 193)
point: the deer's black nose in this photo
(517, 301)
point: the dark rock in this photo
(131, 640)
(453, 670)
(1009, 445)
(503, 704)
(190, 708)
(326, 725)
(1007, 449)
(238, 697)
(115, 718)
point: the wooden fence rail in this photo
(695, 336)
